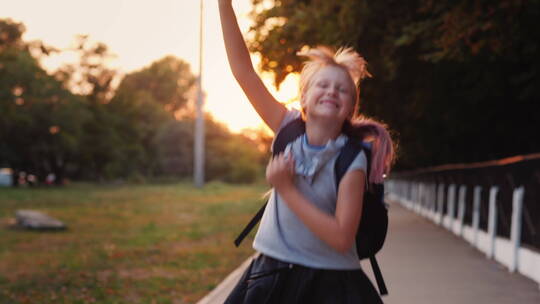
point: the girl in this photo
(306, 238)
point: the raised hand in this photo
(268, 108)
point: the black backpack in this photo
(374, 221)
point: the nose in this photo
(332, 91)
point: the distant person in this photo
(31, 179)
(21, 178)
(306, 239)
(50, 179)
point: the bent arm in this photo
(338, 230)
(268, 108)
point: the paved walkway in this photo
(424, 263)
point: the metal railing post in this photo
(517, 210)
(492, 220)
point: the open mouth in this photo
(330, 102)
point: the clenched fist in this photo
(280, 171)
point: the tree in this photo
(229, 157)
(75, 124)
(89, 76)
(145, 101)
(92, 80)
(168, 81)
(41, 122)
(174, 148)
(454, 79)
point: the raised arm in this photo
(268, 108)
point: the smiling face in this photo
(330, 94)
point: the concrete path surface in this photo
(424, 263)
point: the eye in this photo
(322, 84)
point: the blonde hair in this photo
(360, 127)
(345, 58)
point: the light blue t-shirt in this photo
(282, 235)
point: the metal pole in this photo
(198, 157)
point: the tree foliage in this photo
(455, 80)
(41, 122)
(167, 81)
(76, 124)
(229, 157)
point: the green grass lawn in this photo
(124, 244)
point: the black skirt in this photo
(267, 280)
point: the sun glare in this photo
(242, 115)
(170, 27)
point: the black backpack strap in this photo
(286, 135)
(378, 275)
(346, 157)
(250, 226)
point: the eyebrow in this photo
(340, 84)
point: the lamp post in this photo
(198, 149)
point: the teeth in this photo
(330, 102)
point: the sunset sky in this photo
(140, 32)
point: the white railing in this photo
(427, 199)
